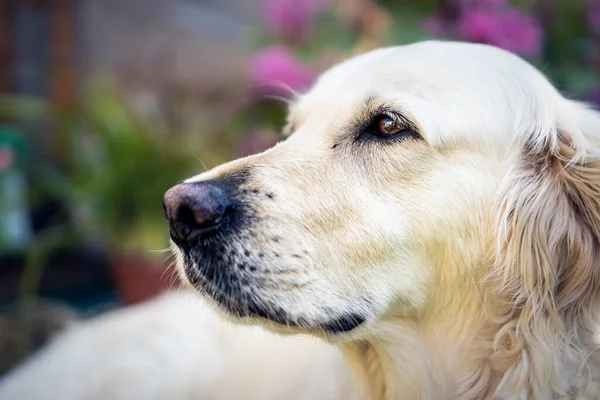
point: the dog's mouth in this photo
(240, 299)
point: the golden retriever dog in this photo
(434, 212)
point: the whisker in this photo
(202, 163)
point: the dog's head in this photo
(407, 172)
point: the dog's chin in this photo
(242, 308)
(275, 318)
(337, 329)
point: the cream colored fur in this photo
(175, 348)
(472, 252)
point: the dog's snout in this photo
(195, 208)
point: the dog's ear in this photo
(547, 261)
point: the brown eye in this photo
(388, 126)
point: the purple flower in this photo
(594, 99)
(277, 67)
(480, 4)
(291, 19)
(509, 29)
(594, 16)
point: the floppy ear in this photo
(547, 261)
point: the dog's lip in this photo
(344, 323)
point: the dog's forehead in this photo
(451, 89)
(427, 69)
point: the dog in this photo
(434, 211)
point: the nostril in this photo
(186, 216)
(201, 216)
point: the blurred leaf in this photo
(408, 25)
(25, 108)
(580, 80)
(118, 168)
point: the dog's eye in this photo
(388, 126)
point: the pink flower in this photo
(291, 19)
(509, 29)
(481, 26)
(277, 67)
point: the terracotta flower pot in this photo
(138, 278)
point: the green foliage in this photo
(120, 168)
(116, 167)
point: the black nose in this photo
(195, 210)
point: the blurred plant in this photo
(594, 98)
(293, 20)
(548, 33)
(494, 22)
(120, 168)
(335, 29)
(116, 170)
(508, 28)
(366, 18)
(275, 68)
(594, 16)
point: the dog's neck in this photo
(443, 355)
(445, 351)
(449, 353)
(389, 371)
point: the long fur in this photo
(547, 262)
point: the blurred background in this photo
(105, 104)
